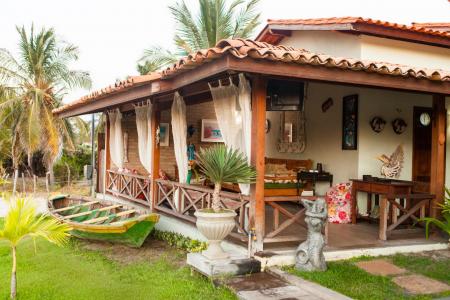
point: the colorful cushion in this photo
(339, 203)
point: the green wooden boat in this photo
(96, 219)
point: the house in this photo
(302, 96)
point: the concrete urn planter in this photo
(215, 227)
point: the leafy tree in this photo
(32, 85)
(22, 221)
(214, 21)
(221, 164)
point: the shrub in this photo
(179, 241)
(76, 160)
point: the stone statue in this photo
(309, 254)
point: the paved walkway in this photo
(278, 285)
(412, 283)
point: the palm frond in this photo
(22, 221)
(155, 58)
(220, 164)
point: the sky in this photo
(112, 35)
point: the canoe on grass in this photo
(96, 219)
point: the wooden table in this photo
(389, 190)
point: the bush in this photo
(76, 160)
(179, 241)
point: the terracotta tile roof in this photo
(241, 48)
(434, 26)
(353, 20)
(122, 85)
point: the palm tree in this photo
(33, 84)
(221, 164)
(214, 21)
(22, 221)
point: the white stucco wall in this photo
(370, 48)
(324, 130)
(327, 42)
(412, 54)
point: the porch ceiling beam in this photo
(108, 101)
(339, 76)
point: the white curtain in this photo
(233, 111)
(144, 131)
(116, 137)
(245, 102)
(179, 133)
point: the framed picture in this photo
(211, 131)
(164, 134)
(350, 122)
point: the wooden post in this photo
(258, 151)
(438, 133)
(156, 115)
(107, 153)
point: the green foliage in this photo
(444, 224)
(22, 221)
(221, 164)
(179, 241)
(215, 20)
(31, 86)
(75, 160)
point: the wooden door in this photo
(421, 169)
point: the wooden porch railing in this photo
(132, 187)
(183, 200)
(284, 214)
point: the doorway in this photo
(421, 169)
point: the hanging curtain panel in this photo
(233, 111)
(144, 131)
(116, 137)
(245, 102)
(179, 134)
(228, 117)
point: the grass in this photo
(345, 277)
(74, 273)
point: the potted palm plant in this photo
(220, 164)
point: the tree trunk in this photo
(216, 197)
(13, 274)
(52, 174)
(16, 177)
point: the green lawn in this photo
(345, 277)
(74, 273)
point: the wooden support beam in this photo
(108, 154)
(155, 119)
(258, 151)
(438, 134)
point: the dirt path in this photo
(151, 251)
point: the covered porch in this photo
(272, 219)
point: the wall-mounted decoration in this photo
(327, 104)
(399, 125)
(164, 134)
(377, 124)
(125, 147)
(425, 119)
(350, 122)
(190, 130)
(211, 131)
(392, 166)
(267, 126)
(287, 133)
